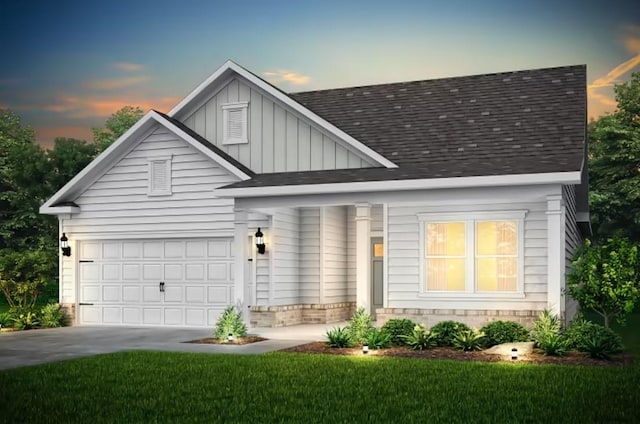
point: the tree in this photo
(116, 125)
(614, 165)
(23, 275)
(604, 278)
(68, 157)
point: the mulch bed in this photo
(536, 357)
(240, 341)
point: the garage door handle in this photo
(85, 304)
(161, 286)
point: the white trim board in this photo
(230, 66)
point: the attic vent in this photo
(160, 176)
(234, 117)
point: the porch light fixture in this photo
(514, 354)
(260, 242)
(365, 349)
(64, 245)
(230, 337)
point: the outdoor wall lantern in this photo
(64, 245)
(260, 242)
(514, 354)
(365, 348)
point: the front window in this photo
(472, 255)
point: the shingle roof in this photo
(506, 123)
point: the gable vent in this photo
(234, 119)
(160, 176)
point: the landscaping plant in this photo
(52, 315)
(548, 336)
(25, 320)
(5, 320)
(594, 339)
(468, 340)
(230, 322)
(498, 332)
(23, 275)
(446, 331)
(398, 328)
(605, 278)
(420, 338)
(339, 337)
(359, 326)
(378, 339)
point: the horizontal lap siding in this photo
(572, 240)
(118, 201)
(262, 279)
(404, 282)
(310, 255)
(286, 261)
(351, 254)
(335, 254)
(279, 139)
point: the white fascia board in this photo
(399, 185)
(103, 158)
(195, 143)
(59, 210)
(230, 65)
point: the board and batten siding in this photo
(334, 254)
(573, 239)
(280, 140)
(285, 257)
(404, 281)
(118, 201)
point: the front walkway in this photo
(21, 348)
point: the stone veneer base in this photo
(286, 315)
(70, 310)
(472, 317)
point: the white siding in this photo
(117, 203)
(376, 218)
(351, 254)
(262, 279)
(310, 255)
(285, 252)
(334, 254)
(279, 138)
(572, 241)
(404, 285)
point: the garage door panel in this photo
(173, 272)
(111, 294)
(123, 281)
(173, 294)
(111, 315)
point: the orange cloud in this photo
(86, 107)
(127, 66)
(46, 135)
(114, 83)
(286, 76)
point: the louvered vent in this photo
(235, 124)
(160, 176)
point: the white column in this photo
(240, 253)
(363, 256)
(555, 252)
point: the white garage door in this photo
(155, 282)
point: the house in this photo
(457, 198)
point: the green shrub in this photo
(598, 341)
(498, 332)
(445, 331)
(230, 322)
(23, 275)
(548, 336)
(378, 339)
(420, 338)
(398, 328)
(25, 320)
(52, 315)
(6, 320)
(468, 340)
(339, 337)
(359, 326)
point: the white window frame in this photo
(150, 174)
(226, 108)
(470, 219)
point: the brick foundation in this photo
(473, 318)
(283, 316)
(70, 310)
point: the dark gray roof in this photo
(206, 143)
(506, 123)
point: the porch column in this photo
(363, 256)
(555, 253)
(239, 258)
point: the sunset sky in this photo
(67, 65)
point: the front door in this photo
(377, 253)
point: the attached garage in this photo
(168, 282)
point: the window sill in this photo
(235, 141)
(159, 194)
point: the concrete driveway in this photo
(21, 348)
